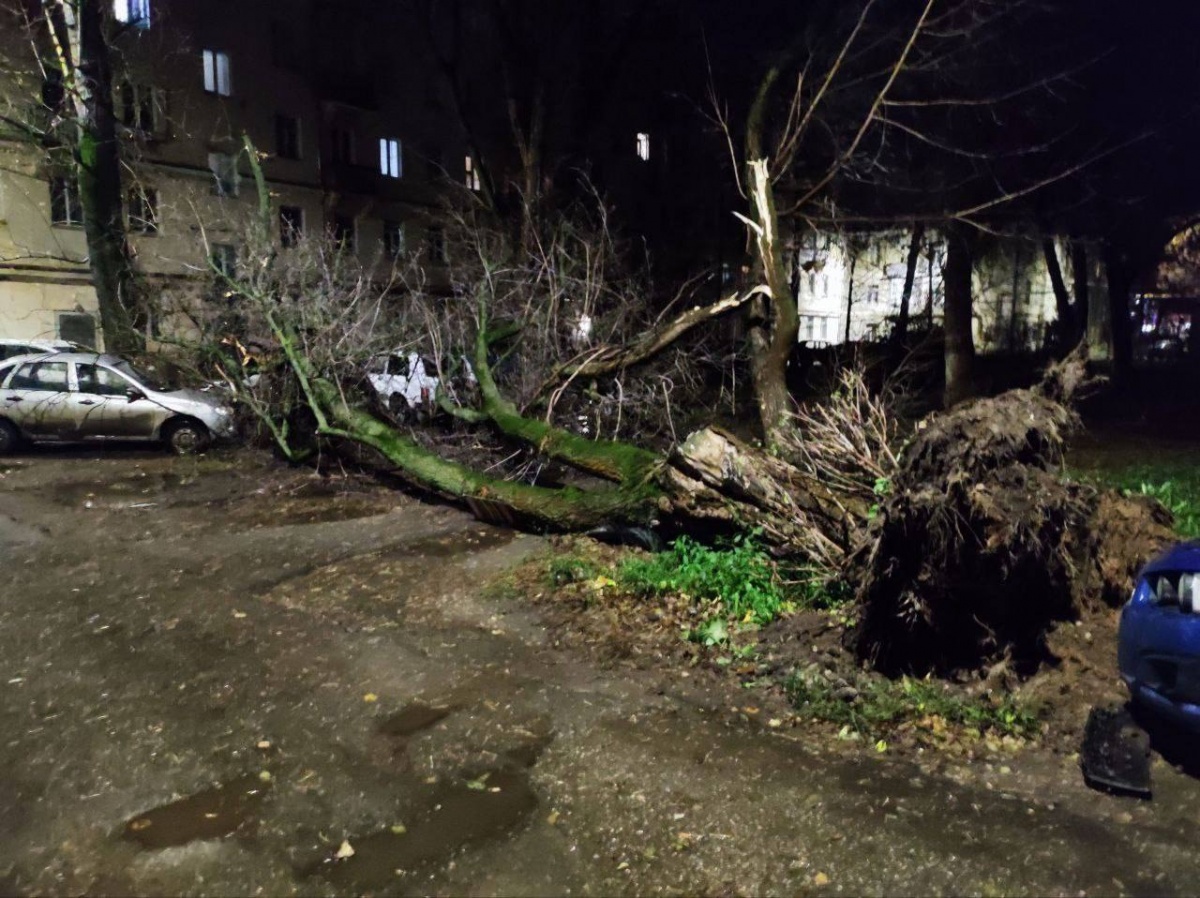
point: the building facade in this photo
(355, 134)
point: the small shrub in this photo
(741, 576)
(566, 569)
(877, 705)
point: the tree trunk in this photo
(771, 341)
(910, 276)
(1067, 327)
(1081, 280)
(1112, 313)
(97, 156)
(960, 341)
(850, 294)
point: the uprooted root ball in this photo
(983, 544)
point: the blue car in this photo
(1158, 646)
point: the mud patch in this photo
(115, 492)
(414, 718)
(211, 814)
(459, 815)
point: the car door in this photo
(105, 408)
(37, 399)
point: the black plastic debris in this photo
(1115, 756)
(617, 535)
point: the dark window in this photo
(48, 376)
(393, 239)
(224, 259)
(225, 174)
(77, 327)
(283, 46)
(137, 107)
(291, 224)
(341, 146)
(100, 381)
(343, 232)
(437, 245)
(287, 137)
(65, 208)
(53, 92)
(143, 210)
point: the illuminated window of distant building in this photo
(132, 12)
(391, 163)
(472, 175)
(218, 75)
(643, 146)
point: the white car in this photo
(404, 382)
(70, 396)
(12, 348)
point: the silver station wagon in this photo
(70, 396)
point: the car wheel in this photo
(10, 437)
(398, 407)
(186, 437)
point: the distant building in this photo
(358, 137)
(859, 277)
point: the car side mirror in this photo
(134, 395)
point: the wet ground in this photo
(219, 676)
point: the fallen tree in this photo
(984, 544)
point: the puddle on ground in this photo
(211, 814)
(459, 543)
(460, 814)
(414, 718)
(122, 491)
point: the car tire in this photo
(10, 437)
(398, 407)
(186, 437)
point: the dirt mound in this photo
(983, 544)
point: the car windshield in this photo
(150, 381)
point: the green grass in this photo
(882, 705)
(564, 569)
(1175, 484)
(740, 575)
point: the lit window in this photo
(143, 210)
(472, 175)
(643, 146)
(225, 174)
(65, 207)
(287, 137)
(218, 77)
(390, 162)
(291, 224)
(393, 239)
(132, 12)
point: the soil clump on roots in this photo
(983, 544)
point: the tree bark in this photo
(910, 277)
(960, 341)
(850, 294)
(97, 157)
(1112, 315)
(1081, 278)
(1062, 300)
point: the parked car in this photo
(71, 396)
(13, 348)
(409, 382)
(1158, 644)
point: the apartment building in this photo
(357, 135)
(849, 287)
